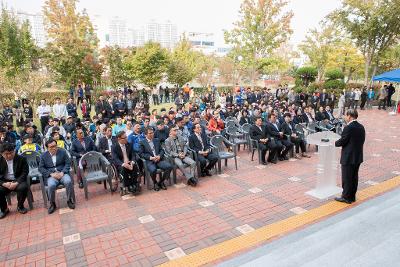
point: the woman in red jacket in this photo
(216, 125)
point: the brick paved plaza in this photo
(156, 227)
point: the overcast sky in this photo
(189, 15)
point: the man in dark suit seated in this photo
(151, 151)
(106, 142)
(258, 133)
(55, 168)
(329, 114)
(80, 146)
(352, 142)
(274, 131)
(307, 116)
(124, 159)
(199, 143)
(320, 115)
(288, 130)
(14, 170)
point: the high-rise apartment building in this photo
(36, 22)
(118, 32)
(164, 33)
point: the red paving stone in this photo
(112, 235)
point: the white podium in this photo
(327, 166)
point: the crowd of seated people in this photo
(133, 139)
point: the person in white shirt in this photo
(43, 112)
(60, 110)
(56, 124)
(357, 97)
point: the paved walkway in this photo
(367, 235)
(157, 227)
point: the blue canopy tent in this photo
(392, 76)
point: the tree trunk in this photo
(373, 74)
(366, 70)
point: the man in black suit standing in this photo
(151, 151)
(352, 141)
(124, 159)
(199, 143)
(14, 170)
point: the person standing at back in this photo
(352, 142)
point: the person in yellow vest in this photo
(29, 145)
(56, 136)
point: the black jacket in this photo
(20, 166)
(286, 129)
(118, 157)
(77, 150)
(352, 141)
(319, 116)
(103, 144)
(272, 131)
(244, 120)
(257, 134)
(195, 144)
(162, 135)
(146, 152)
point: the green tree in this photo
(318, 45)
(334, 74)
(374, 25)
(390, 59)
(347, 58)
(116, 61)
(184, 63)
(73, 43)
(149, 64)
(306, 75)
(207, 66)
(17, 48)
(263, 27)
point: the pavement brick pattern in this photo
(156, 227)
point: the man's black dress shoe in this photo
(162, 186)
(22, 210)
(156, 187)
(71, 204)
(192, 182)
(3, 214)
(207, 172)
(52, 208)
(80, 184)
(263, 163)
(343, 200)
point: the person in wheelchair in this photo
(124, 159)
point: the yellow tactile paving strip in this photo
(263, 234)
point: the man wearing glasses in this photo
(55, 166)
